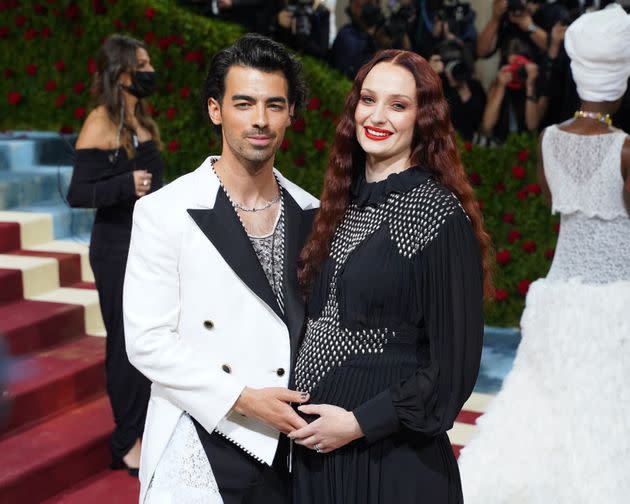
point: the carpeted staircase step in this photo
(9, 236)
(55, 380)
(10, 285)
(42, 461)
(104, 488)
(34, 228)
(30, 326)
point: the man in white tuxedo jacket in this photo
(213, 312)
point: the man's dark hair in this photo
(259, 52)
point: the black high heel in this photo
(119, 464)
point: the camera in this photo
(456, 62)
(301, 10)
(516, 7)
(456, 14)
(518, 71)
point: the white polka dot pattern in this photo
(414, 219)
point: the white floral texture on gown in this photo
(558, 432)
(183, 474)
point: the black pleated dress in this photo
(103, 179)
(394, 334)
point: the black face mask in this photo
(143, 84)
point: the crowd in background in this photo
(532, 88)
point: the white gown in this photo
(559, 429)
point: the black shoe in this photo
(118, 464)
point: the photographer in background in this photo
(438, 21)
(513, 103)
(465, 95)
(355, 43)
(255, 15)
(527, 20)
(303, 25)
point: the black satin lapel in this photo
(223, 228)
(297, 225)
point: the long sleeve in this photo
(95, 184)
(151, 308)
(450, 289)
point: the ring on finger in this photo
(145, 182)
(318, 448)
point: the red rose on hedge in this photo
(499, 188)
(284, 146)
(20, 20)
(60, 65)
(51, 85)
(326, 113)
(4, 31)
(504, 257)
(30, 34)
(132, 25)
(314, 103)
(79, 113)
(468, 146)
(31, 69)
(39, 9)
(91, 66)
(14, 98)
(164, 42)
(523, 155)
(152, 110)
(533, 189)
(61, 100)
(171, 112)
(522, 195)
(508, 217)
(529, 246)
(46, 32)
(72, 11)
(549, 253)
(556, 227)
(501, 295)
(475, 178)
(184, 92)
(79, 87)
(118, 24)
(149, 12)
(65, 130)
(514, 235)
(523, 287)
(300, 160)
(480, 204)
(299, 125)
(319, 144)
(149, 37)
(173, 146)
(518, 172)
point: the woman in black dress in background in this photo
(395, 270)
(117, 162)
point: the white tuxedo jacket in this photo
(201, 320)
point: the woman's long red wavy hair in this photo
(433, 147)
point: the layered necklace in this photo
(597, 116)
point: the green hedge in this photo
(46, 77)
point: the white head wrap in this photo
(598, 44)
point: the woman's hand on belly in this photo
(335, 427)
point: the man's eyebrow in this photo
(271, 99)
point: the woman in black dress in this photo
(117, 162)
(395, 270)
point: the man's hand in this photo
(499, 7)
(504, 77)
(532, 72)
(523, 21)
(335, 427)
(271, 406)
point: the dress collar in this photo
(364, 193)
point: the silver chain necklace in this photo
(236, 204)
